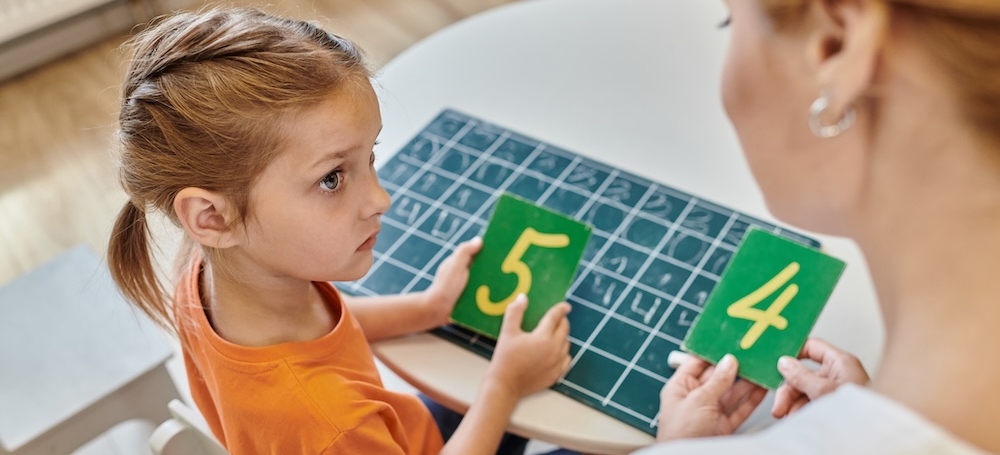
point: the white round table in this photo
(633, 83)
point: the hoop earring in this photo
(816, 111)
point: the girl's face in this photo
(316, 208)
(769, 81)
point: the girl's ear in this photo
(847, 50)
(207, 218)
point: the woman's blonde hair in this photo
(962, 36)
(202, 104)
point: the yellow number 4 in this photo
(513, 264)
(771, 317)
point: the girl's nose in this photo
(380, 198)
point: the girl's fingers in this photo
(466, 251)
(513, 316)
(552, 318)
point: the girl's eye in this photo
(331, 182)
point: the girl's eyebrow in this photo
(339, 155)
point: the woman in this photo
(878, 120)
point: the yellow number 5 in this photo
(513, 264)
(771, 317)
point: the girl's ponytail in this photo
(132, 267)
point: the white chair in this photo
(184, 434)
(75, 360)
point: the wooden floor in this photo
(57, 185)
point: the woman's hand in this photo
(449, 281)
(703, 400)
(526, 362)
(803, 384)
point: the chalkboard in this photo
(653, 258)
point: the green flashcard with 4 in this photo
(765, 305)
(526, 249)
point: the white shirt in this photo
(852, 420)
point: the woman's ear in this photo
(206, 217)
(848, 49)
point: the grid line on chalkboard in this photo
(670, 306)
(629, 284)
(438, 202)
(655, 253)
(556, 184)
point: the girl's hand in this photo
(526, 362)
(449, 281)
(803, 384)
(703, 400)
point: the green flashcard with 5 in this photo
(526, 249)
(765, 305)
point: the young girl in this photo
(254, 134)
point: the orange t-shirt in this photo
(322, 396)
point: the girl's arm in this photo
(388, 316)
(393, 315)
(523, 363)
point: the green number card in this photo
(765, 305)
(526, 249)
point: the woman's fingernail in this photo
(785, 363)
(676, 358)
(728, 361)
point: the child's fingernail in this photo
(728, 361)
(785, 363)
(521, 297)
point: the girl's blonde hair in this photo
(962, 36)
(203, 98)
